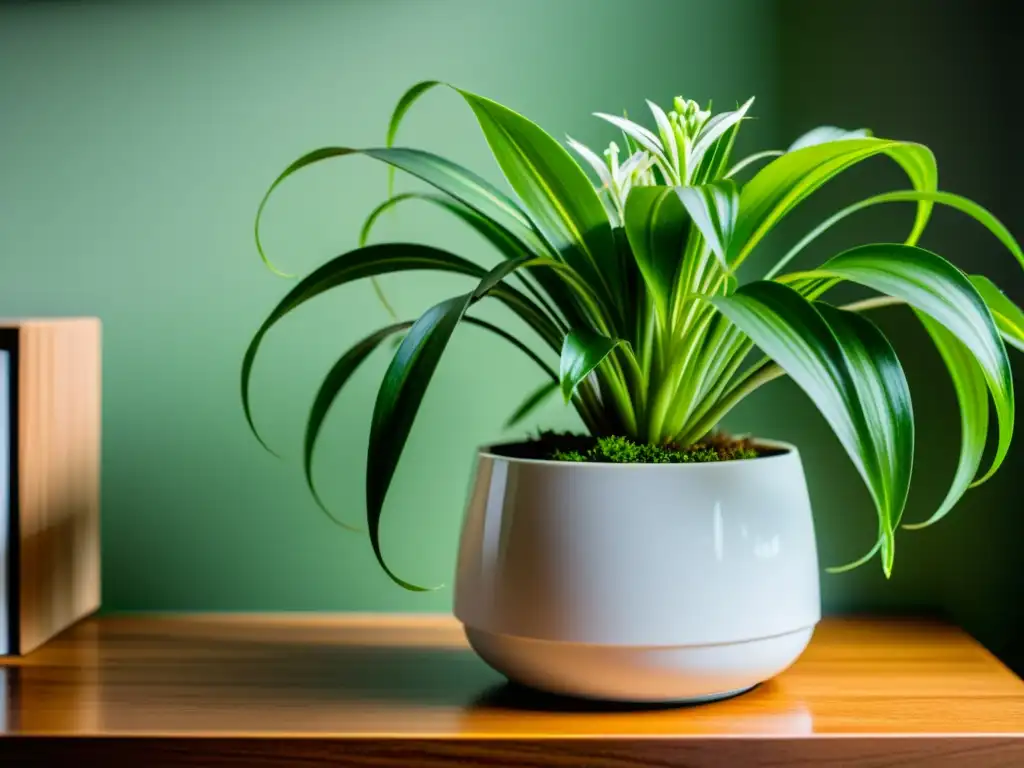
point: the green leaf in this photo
(397, 404)
(932, 285)
(962, 204)
(452, 179)
(331, 386)
(370, 261)
(504, 241)
(404, 103)
(713, 208)
(557, 194)
(972, 395)
(347, 365)
(562, 205)
(582, 351)
(514, 341)
(657, 227)
(850, 372)
(824, 134)
(1008, 316)
(836, 569)
(782, 184)
(401, 393)
(884, 395)
(532, 402)
(751, 159)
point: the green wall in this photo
(136, 139)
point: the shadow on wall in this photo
(946, 76)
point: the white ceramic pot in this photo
(639, 582)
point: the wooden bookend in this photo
(49, 478)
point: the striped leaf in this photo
(785, 182)
(654, 269)
(972, 396)
(644, 140)
(713, 208)
(824, 134)
(936, 288)
(716, 128)
(401, 393)
(560, 201)
(555, 191)
(850, 372)
(1008, 316)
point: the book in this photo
(49, 478)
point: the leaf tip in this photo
(323, 506)
(256, 433)
(888, 553)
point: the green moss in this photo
(622, 450)
(568, 456)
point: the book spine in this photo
(6, 453)
(10, 599)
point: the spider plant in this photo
(629, 280)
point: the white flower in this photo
(672, 156)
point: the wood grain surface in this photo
(55, 523)
(405, 690)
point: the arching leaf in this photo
(557, 194)
(1008, 316)
(566, 302)
(380, 259)
(850, 372)
(713, 208)
(331, 386)
(933, 286)
(582, 351)
(532, 402)
(972, 396)
(750, 160)
(349, 363)
(785, 182)
(444, 175)
(401, 393)
(972, 209)
(824, 134)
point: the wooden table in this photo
(404, 691)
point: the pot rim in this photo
(787, 449)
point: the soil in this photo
(565, 446)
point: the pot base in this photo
(684, 674)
